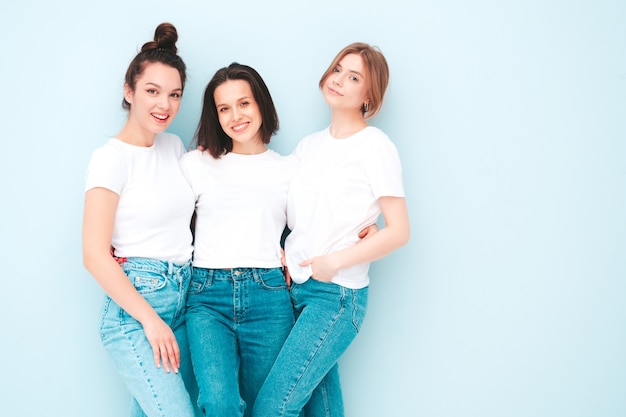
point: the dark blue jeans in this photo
(237, 321)
(328, 318)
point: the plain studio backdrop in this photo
(510, 119)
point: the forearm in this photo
(371, 249)
(394, 235)
(116, 284)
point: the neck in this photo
(345, 124)
(253, 148)
(134, 135)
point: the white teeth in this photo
(239, 127)
(160, 116)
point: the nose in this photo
(164, 101)
(236, 113)
(338, 80)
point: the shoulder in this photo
(192, 155)
(273, 155)
(282, 161)
(310, 141)
(315, 136)
(196, 158)
(166, 137)
(376, 134)
(170, 141)
(377, 138)
(111, 150)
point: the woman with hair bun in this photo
(138, 202)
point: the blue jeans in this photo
(237, 321)
(164, 285)
(329, 317)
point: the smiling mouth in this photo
(161, 117)
(239, 127)
(335, 92)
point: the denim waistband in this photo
(233, 273)
(154, 265)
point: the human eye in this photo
(336, 69)
(151, 91)
(176, 95)
(222, 109)
(354, 78)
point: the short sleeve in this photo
(190, 166)
(384, 169)
(106, 170)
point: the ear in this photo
(128, 94)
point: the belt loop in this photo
(170, 268)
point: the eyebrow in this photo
(236, 101)
(158, 86)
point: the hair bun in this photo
(165, 37)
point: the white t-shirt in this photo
(334, 195)
(241, 203)
(156, 203)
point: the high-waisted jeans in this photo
(164, 285)
(237, 321)
(328, 318)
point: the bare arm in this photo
(98, 220)
(394, 235)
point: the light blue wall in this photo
(510, 117)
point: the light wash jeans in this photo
(237, 321)
(328, 318)
(164, 285)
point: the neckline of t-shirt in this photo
(347, 138)
(137, 147)
(263, 154)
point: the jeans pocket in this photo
(359, 307)
(108, 304)
(272, 279)
(147, 281)
(200, 279)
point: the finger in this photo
(288, 278)
(157, 356)
(165, 359)
(175, 357)
(306, 262)
(171, 356)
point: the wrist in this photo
(334, 261)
